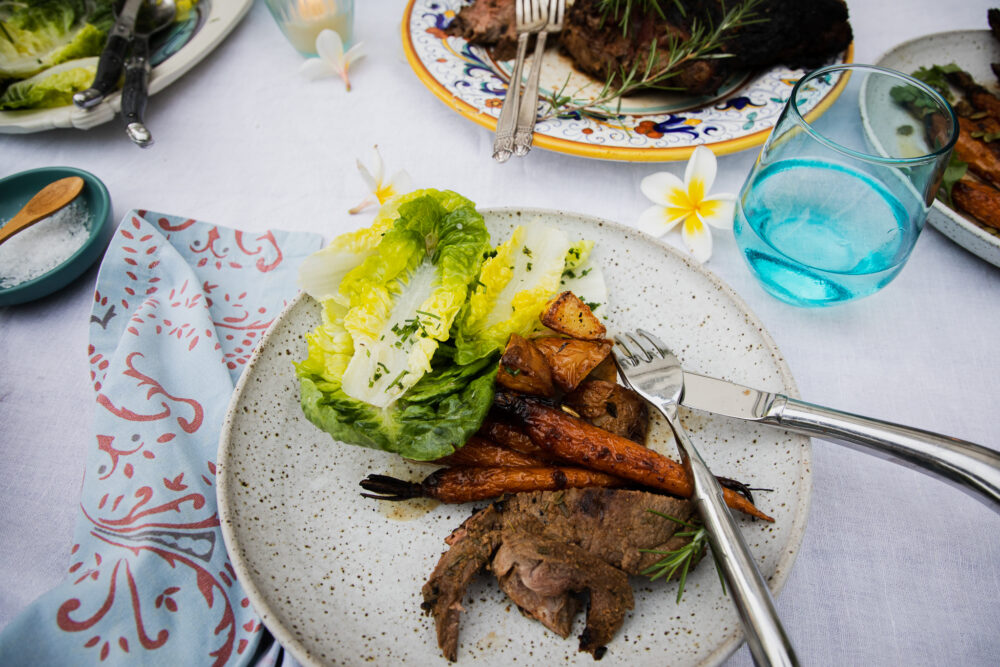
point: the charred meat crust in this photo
(794, 33)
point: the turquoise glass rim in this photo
(851, 69)
(17, 189)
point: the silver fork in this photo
(528, 112)
(647, 366)
(530, 17)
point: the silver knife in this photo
(112, 60)
(970, 467)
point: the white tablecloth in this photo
(895, 566)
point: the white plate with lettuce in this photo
(397, 354)
(49, 51)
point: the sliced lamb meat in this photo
(472, 546)
(546, 548)
(611, 406)
(543, 576)
(612, 524)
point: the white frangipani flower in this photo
(380, 189)
(688, 202)
(331, 60)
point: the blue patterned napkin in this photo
(178, 308)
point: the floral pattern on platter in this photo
(651, 127)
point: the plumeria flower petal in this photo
(697, 238)
(331, 59)
(687, 202)
(718, 211)
(656, 221)
(659, 187)
(380, 189)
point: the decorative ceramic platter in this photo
(336, 577)
(647, 128)
(973, 51)
(174, 53)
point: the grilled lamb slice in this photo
(472, 546)
(543, 577)
(611, 524)
(548, 546)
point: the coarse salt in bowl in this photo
(53, 252)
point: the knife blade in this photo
(722, 397)
(970, 467)
(112, 60)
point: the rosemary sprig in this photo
(659, 66)
(680, 560)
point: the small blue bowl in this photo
(16, 190)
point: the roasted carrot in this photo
(511, 437)
(479, 452)
(572, 439)
(462, 485)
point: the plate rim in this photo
(725, 648)
(556, 144)
(952, 216)
(223, 16)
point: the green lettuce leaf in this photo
(403, 298)
(37, 35)
(514, 284)
(379, 371)
(53, 87)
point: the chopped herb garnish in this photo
(526, 250)
(512, 371)
(397, 381)
(529, 266)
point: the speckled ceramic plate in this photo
(973, 51)
(648, 128)
(175, 52)
(336, 577)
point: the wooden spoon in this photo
(49, 199)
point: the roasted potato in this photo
(612, 407)
(571, 360)
(605, 371)
(524, 368)
(568, 315)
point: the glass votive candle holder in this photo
(302, 20)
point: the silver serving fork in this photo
(647, 366)
(530, 16)
(528, 111)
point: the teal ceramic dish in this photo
(16, 190)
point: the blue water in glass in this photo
(817, 233)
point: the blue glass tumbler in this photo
(840, 192)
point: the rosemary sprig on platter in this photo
(661, 64)
(679, 561)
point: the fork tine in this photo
(556, 9)
(623, 353)
(519, 11)
(655, 342)
(646, 354)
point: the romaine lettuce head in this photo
(53, 87)
(35, 35)
(377, 373)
